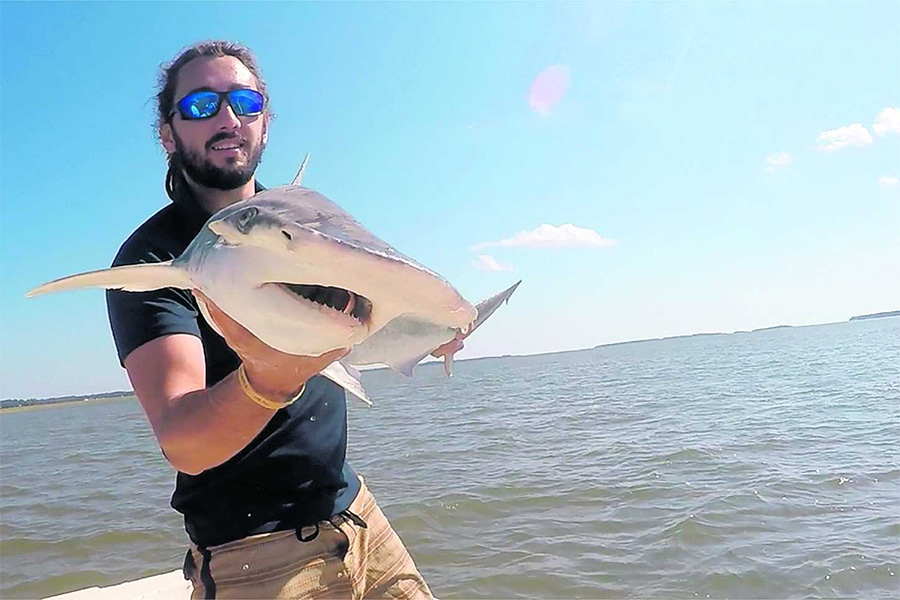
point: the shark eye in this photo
(246, 217)
(287, 234)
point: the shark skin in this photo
(305, 277)
(407, 340)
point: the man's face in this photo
(221, 152)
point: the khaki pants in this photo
(341, 559)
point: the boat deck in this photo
(167, 586)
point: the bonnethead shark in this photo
(305, 277)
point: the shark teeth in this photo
(341, 300)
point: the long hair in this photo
(168, 81)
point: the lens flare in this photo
(548, 88)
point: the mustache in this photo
(221, 137)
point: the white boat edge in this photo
(167, 586)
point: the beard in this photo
(203, 172)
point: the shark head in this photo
(305, 277)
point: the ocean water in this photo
(763, 465)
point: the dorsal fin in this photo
(298, 178)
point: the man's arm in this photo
(197, 427)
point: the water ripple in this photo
(760, 465)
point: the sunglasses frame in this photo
(223, 97)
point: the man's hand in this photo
(451, 347)
(273, 374)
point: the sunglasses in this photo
(206, 104)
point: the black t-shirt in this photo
(294, 472)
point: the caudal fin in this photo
(487, 307)
(131, 278)
(484, 310)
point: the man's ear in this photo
(265, 130)
(166, 137)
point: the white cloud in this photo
(552, 236)
(779, 159)
(489, 263)
(890, 182)
(888, 121)
(850, 135)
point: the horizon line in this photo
(878, 315)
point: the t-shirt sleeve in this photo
(138, 317)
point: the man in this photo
(258, 438)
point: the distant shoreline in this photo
(17, 405)
(881, 315)
(895, 313)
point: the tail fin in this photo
(131, 278)
(487, 307)
(484, 310)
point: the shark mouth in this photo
(341, 300)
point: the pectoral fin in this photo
(131, 278)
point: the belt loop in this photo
(355, 518)
(209, 586)
(299, 533)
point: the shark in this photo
(305, 277)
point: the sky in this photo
(647, 169)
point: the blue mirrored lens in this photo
(246, 102)
(199, 105)
(205, 104)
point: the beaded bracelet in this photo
(248, 390)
